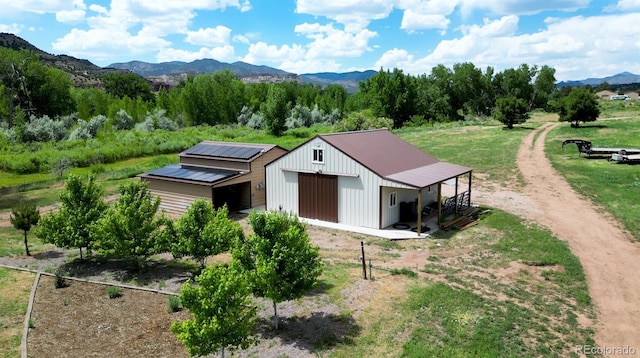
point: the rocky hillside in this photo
(83, 72)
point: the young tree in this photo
(275, 110)
(511, 110)
(580, 105)
(130, 227)
(73, 225)
(223, 316)
(279, 258)
(22, 218)
(203, 231)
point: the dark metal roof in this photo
(392, 158)
(206, 175)
(428, 175)
(232, 151)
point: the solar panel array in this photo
(223, 151)
(207, 175)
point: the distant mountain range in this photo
(84, 73)
(172, 72)
(619, 79)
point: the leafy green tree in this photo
(392, 95)
(543, 87)
(511, 110)
(275, 110)
(279, 258)
(223, 316)
(23, 217)
(73, 225)
(127, 84)
(580, 105)
(203, 231)
(131, 226)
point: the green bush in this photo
(59, 280)
(114, 292)
(174, 304)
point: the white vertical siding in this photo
(358, 187)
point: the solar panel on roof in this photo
(207, 175)
(224, 151)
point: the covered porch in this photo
(427, 211)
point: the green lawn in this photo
(614, 187)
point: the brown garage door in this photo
(318, 196)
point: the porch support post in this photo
(419, 211)
(469, 189)
(439, 201)
(455, 201)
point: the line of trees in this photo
(30, 89)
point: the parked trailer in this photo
(586, 147)
(623, 158)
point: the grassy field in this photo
(15, 287)
(502, 288)
(614, 187)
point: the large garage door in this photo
(318, 196)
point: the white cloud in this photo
(261, 52)
(626, 5)
(310, 66)
(242, 39)
(395, 58)
(521, 7)
(222, 53)
(330, 42)
(578, 47)
(12, 28)
(70, 15)
(353, 14)
(505, 26)
(218, 35)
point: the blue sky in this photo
(579, 38)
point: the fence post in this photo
(364, 265)
(370, 273)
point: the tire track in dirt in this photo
(610, 258)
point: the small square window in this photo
(318, 155)
(393, 199)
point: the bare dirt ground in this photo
(610, 258)
(608, 254)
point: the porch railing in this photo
(455, 203)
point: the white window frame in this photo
(318, 155)
(393, 199)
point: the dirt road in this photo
(610, 258)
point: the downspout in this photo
(439, 201)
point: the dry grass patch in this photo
(15, 288)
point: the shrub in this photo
(59, 281)
(174, 304)
(114, 292)
(404, 271)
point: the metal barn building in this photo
(222, 172)
(361, 179)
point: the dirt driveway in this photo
(610, 258)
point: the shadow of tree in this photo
(50, 254)
(318, 331)
(125, 270)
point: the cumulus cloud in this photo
(353, 14)
(260, 52)
(331, 42)
(570, 45)
(11, 28)
(221, 53)
(218, 35)
(628, 5)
